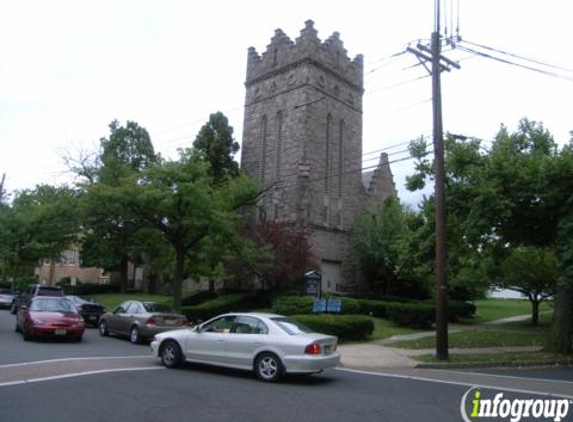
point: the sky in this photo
(68, 68)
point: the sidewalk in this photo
(381, 355)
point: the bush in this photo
(300, 305)
(374, 308)
(96, 289)
(458, 309)
(417, 315)
(223, 304)
(345, 327)
(198, 297)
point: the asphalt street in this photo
(109, 379)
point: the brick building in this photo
(302, 140)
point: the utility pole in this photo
(2, 187)
(438, 64)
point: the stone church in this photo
(302, 141)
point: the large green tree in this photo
(215, 144)
(39, 224)
(111, 229)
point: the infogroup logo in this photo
(513, 410)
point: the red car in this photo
(50, 316)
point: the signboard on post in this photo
(313, 283)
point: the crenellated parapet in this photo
(283, 54)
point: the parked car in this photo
(88, 309)
(49, 316)
(6, 299)
(34, 290)
(140, 321)
(269, 345)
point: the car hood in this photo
(55, 316)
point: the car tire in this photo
(170, 354)
(268, 367)
(17, 328)
(26, 333)
(77, 339)
(102, 329)
(134, 335)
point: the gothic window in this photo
(279, 146)
(263, 149)
(327, 155)
(340, 157)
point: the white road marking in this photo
(11, 365)
(466, 384)
(77, 374)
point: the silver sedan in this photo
(140, 321)
(270, 345)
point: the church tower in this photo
(302, 140)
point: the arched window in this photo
(327, 155)
(263, 149)
(279, 146)
(340, 157)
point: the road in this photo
(109, 379)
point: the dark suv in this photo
(34, 290)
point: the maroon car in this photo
(50, 316)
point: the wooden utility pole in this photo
(438, 64)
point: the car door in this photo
(247, 335)
(207, 343)
(118, 322)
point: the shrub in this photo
(223, 304)
(374, 308)
(300, 305)
(418, 315)
(345, 327)
(458, 309)
(198, 297)
(293, 305)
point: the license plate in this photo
(327, 350)
(60, 332)
(92, 318)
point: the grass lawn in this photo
(482, 337)
(492, 309)
(385, 329)
(112, 300)
(497, 358)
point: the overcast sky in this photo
(68, 68)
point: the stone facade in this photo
(302, 141)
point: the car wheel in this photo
(170, 354)
(134, 335)
(102, 328)
(26, 333)
(268, 367)
(17, 328)
(77, 339)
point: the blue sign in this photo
(319, 305)
(334, 305)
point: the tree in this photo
(177, 199)
(215, 145)
(39, 224)
(111, 228)
(531, 271)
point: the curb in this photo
(502, 364)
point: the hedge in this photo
(197, 298)
(223, 304)
(458, 309)
(345, 327)
(418, 315)
(299, 305)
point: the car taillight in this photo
(150, 321)
(313, 349)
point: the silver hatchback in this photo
(140, 321)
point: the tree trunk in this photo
(211, 286)
(15, 276)
(123, 274)
(534, 311)
(562, 319)
(178, 281)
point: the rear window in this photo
(50, 291)
(49, 305)
(157, 307)
(291, 326)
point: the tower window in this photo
(279, 146)
(263, 149)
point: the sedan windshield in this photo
(291, 326)
(52, 306)
(157, 307)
